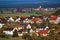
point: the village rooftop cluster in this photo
(29, 24)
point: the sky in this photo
(5, 2)
(15, 2)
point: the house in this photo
(26, 20)
(10, 19)
(8, 31)
(1, 25)
(43, 30)
(28, 28)
(23, 18)
(19, 28)
(57, 20)
(45, 18)
(52, 19)
(17, 20)
(37, 19)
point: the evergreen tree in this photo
(15, 33)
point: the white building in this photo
(1, 25)
(17, 20)
(10, 19)
(57, 20)
(8, 31)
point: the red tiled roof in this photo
(24, 17)
(53, 17)
(19, 26)
(35, 19)
(43, 31)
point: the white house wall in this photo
(8, 32)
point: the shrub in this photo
(3, 35)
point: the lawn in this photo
(4, 38)
(11, 38)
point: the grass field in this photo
(4, 39)
(18, 14)
(12, 38)
(25, 14)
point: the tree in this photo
(35, 24)
(1, 11)
(57, 12)
(27, 37)
(15, 33)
